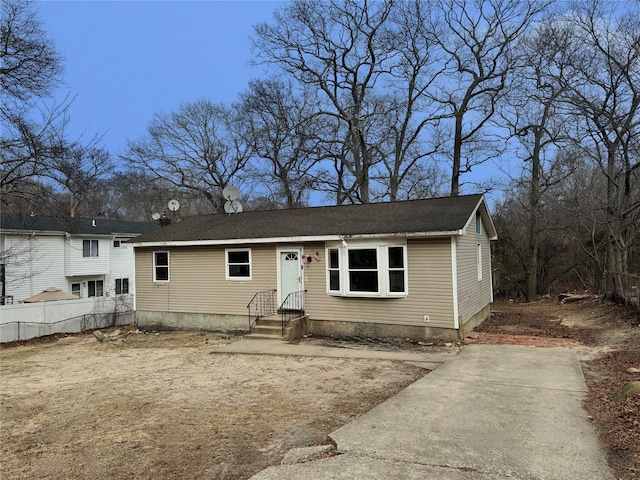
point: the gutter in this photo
(320, 238)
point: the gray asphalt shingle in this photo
(78, 226)
(432, 215)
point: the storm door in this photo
(290, 279)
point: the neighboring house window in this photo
(116, 244)
(122, 286)
(334, 270)
(75, 289)
(160, 266)
(238, 264)
(478, 223)
(479, 260)
(95, 288)
(365, 271)
(90, 248)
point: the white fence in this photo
(29, 320)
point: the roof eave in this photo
(298, 239)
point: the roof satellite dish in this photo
(173, 205)
(232, 206)
(231, 193)
(155, 216)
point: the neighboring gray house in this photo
(418, 269)
(87, 257)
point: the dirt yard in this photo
(607, 340)
(165, 406)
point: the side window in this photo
(160, 266)
(116, 244)
(334, 270)
(90, 248)
(75, 289)
(479, 260)
(396, 270)
(478, 223)
(238, 264)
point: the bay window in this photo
(362, 269)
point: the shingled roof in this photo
(444, 215)
(77, 226)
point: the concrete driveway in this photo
(493, 411)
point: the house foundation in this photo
(342, 329)
(152, 320)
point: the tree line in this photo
(376, 101)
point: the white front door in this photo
(290, 278)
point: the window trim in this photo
(234, 278)
(383, 270)
(479, 260)
(167, 266)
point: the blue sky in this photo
(126, 60)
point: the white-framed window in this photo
(116, 244)
(479, 261)
(367, 270)
(90, 248)
(161, 267)
(122, 286)
(238, 263)
(76, 289)
(95, 288)
(478, 223)
(333, 270)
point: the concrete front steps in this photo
(269, 326)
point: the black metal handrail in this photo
(292, 307)
(263, 303)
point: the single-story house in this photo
(413, 269)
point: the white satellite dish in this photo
(155, 216)
(232, 206)
(230, 192)
(173, 205)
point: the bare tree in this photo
(79, 171)
(533, 112)
(408, 167)
(30, 68)
(282, 128)
(477, 38)
(604, 90)
(340, 48)
(30, 65)
(199, 149)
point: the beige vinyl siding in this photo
(429, 282)
(198, 285)
(473, 295)
(198, 282)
